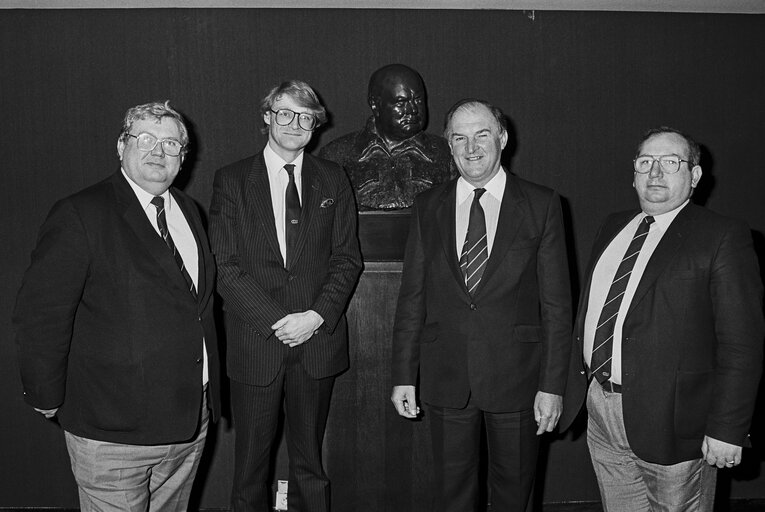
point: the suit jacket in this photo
(692, 338)
(512, 338)
(107, 330)
(256, 287)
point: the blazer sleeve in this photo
(736, 294)
(46, 305)
(345, 257)
(410, 310)
(241, 292)
(555, 301)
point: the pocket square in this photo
(327, 202)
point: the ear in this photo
(503, 138)
(695, 175)
(374, 105)
(120, 146)
(267, 118)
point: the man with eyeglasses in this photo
(669, 336)
(283, 229)
(115, 325)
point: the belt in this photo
(611, 387)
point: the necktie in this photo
(291, 213)
(475, 250)
(159, 203)
(602, 348)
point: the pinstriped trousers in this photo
(256, 411)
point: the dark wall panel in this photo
(579, 87)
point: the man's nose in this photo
(158, 150)
(656, 170)
(295, 123)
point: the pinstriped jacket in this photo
(258, 290)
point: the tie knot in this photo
(290, 168)
(478, 193)
(158, 201)
(649, 220)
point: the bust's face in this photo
(400, 110)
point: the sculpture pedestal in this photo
(383, 235)
(376, 460)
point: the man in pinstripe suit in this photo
(283, 230)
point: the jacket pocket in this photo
(527, 333)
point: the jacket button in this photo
(290, 277)
(473, 307)
(199, 360)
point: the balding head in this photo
(397, 99)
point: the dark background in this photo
(579, 87)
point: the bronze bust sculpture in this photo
(392, 159)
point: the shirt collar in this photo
(145, 197)
(495, 187)
(665, 219)
(275, 163)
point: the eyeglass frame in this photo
(298, 114)
(657, 158)
(158, 141)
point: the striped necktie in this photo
(159, 203)
(475, 250)
(602, 348)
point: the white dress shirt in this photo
(278, 180)
(180, 232)
(491, 201)
(603, 276)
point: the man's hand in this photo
(297, 328)
(404, 401)
(720, 454)
(48, 413)
(547, 409)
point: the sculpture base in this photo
(383, 234)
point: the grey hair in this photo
(156, 110)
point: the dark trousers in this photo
(256, 411)
(513, 449)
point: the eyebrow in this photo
(484, 130)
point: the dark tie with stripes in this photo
(159, 203)
(291, 213)
(475, 250)
(602, 347)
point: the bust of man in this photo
(392, 159)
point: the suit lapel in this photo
(259, 195)
(149, 239)
(203, 256)
(664, 254)
(446, 221)
(512, 213)
(603, 239)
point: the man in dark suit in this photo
(670, 331)
(283, 229)
(115, 325)
(483, 316)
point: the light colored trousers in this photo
(629, 484)
(115, 477)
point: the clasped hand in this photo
(297, 328)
